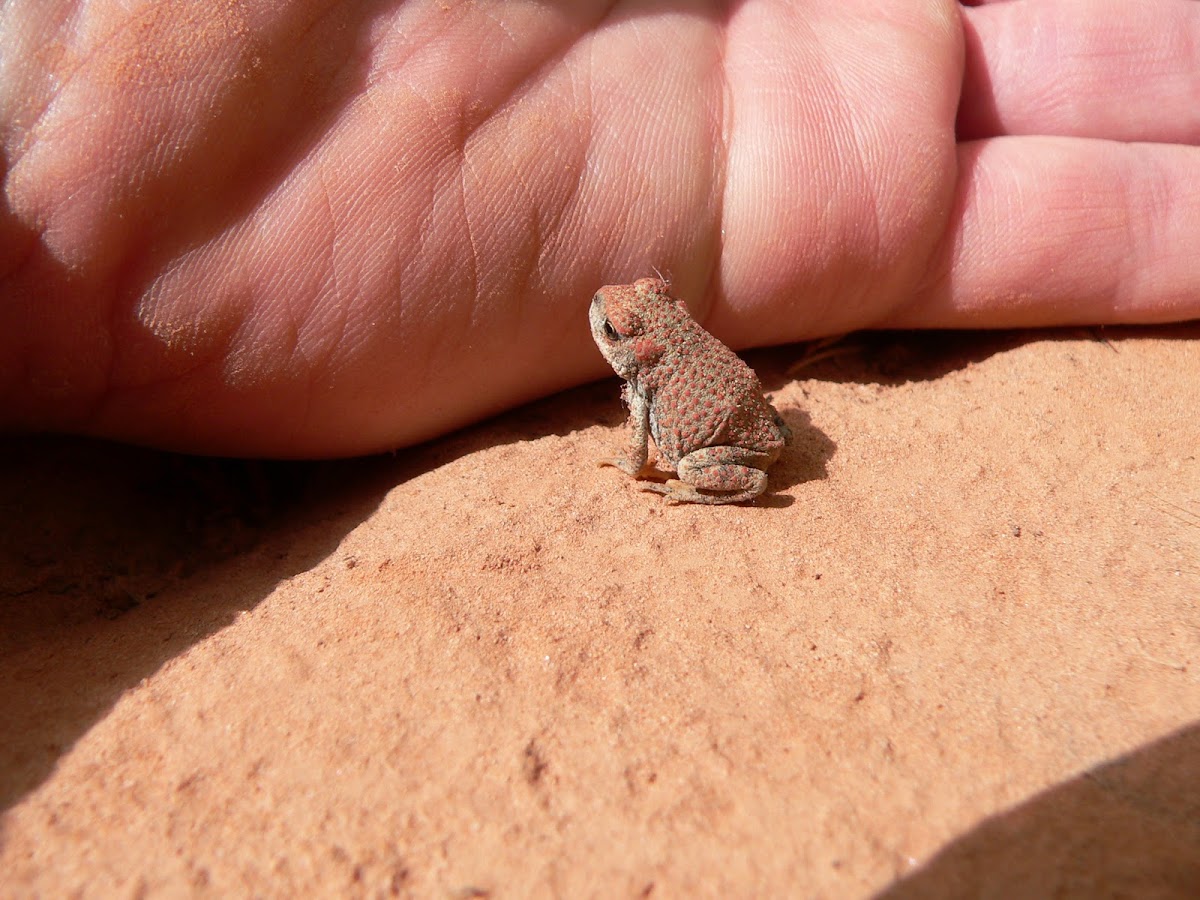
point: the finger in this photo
(1054, 231)
(1083, 68)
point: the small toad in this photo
(703, 406)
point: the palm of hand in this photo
(320, 229)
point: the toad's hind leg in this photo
(718, 475)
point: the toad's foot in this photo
(681, 492)
(628, 466)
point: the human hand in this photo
(306, 229)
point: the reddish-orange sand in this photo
(956, 652)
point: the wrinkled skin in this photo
(324, 228)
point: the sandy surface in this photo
(957, 652)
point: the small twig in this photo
(821, 350)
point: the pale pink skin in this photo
(326, 228)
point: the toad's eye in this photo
(609, 331)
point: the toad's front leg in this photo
(639, 425)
